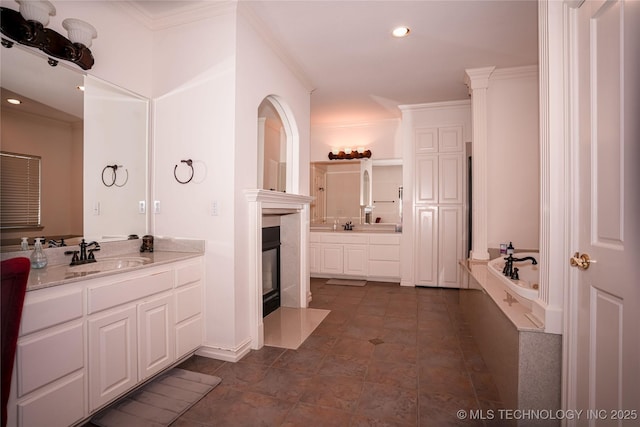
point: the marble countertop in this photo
(59, 272)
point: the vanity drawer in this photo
(49, 307)
(188, 302)
(384, 239)
(43, 359)
(114, 294)
(187, 274)
(345, 238)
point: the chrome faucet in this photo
(84, 257)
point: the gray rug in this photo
(160, 402)
(344, 282)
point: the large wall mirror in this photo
(363, 192)
(93, 147)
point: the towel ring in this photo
(114, 176)
(189, 163)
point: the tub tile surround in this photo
(524, 361)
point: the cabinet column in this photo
(477, 80)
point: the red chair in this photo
(15, 275)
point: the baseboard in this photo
(228, 355)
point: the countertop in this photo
(60, 274)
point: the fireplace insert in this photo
(270, 269)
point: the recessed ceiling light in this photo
(14, 101)
(400, 32)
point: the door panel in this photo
(605, 297)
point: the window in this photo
(19, 191)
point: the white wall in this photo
(513, 158)
(206, 110)
(382, 138)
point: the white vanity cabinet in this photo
(84, 344)
(359, 255)
(50, 371)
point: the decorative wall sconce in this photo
(349, 154)
(110, 181)
(189, 163)
(27, 27)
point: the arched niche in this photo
(278, 140)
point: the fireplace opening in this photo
(270, 269)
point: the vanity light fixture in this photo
(400, 32)
(349, 154)
(27, 27)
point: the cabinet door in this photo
(155, 335)
(331, 259)
(450, 139)
(355, 260)
(426, 140)
(314, 258)
(426, 176)
(426, 250)
(450, 235)
(112, 355)
(450, 178)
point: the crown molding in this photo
(189, 11)
(515, 72)
(436, 105)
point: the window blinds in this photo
(20, 191)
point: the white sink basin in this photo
(108, 264)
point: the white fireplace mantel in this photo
(266, 202)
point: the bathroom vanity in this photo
(87, 338)
(371, 255)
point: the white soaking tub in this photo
(527, 285)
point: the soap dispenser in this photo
(38, 258)
(24, 245)
(510, 249)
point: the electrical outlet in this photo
(156, 206)
(142, 206)
(96, 208)
(214, 208)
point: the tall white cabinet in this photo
(434, 140)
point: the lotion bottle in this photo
(510, 249)
(38, 258)
(24, 245)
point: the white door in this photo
(604, 356)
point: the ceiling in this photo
(359, 73)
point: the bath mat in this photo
(160, 402)
(344, 282)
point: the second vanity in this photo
(86, 340)
(371, 253)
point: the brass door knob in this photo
(581, 261)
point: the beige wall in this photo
(513, 159)
(59, 144)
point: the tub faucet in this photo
(527, 258)
(508, 266)
(348, 226)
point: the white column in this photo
(477, 79)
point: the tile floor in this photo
(384, 356)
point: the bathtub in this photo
(527, 286)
